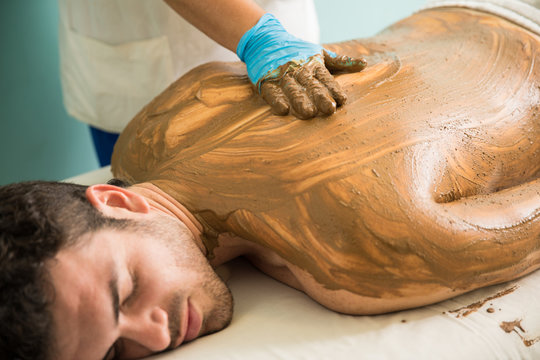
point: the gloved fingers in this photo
(318, 93)
(307, 88)
(274, 96)
(298, 98)
(343, 63)
(331, 84)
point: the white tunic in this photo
(117, 55)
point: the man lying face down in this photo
(425, 186)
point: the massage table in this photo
(274, 321)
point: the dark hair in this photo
(37, 219)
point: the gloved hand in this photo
(289, 72)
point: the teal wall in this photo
(38, 140)
(350, 19)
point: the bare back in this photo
(425, 185)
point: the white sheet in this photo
(273, 321)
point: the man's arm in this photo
(290, 74)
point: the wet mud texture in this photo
(426, 181)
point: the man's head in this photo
(86, 272)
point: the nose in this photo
(148, 328)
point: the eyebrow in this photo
(113, 287)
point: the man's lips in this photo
(191, 324)
(194, 323)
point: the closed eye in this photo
(134, 290)
(115, 350)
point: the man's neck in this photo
(229, 245)
(162, 202)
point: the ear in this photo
(115, 201)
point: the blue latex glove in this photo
(290, 72)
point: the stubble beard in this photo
(179, 240)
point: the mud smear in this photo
(514, 326)
(469, 309)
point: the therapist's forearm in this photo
(224, 21)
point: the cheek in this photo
(164, 267)
(157, 272)
(167, 257)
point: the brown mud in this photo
(426, 181)
(469, 309)
(514, 326)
